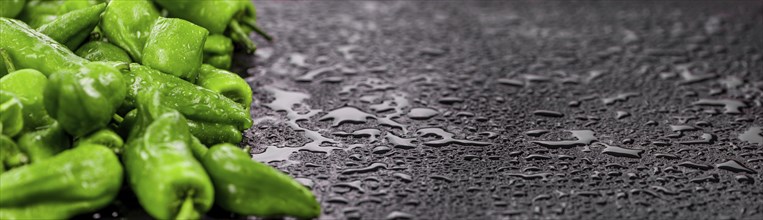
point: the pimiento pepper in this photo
(37, 13)
(28, 86)
(102, 51)
(34, 50)
(199, 105)
(218, 51)
(127, 24)
(218, 17)
(11, 8)
(10, 155)
(97, 88)
(73, 28)
(226, 83)
(80, 180)
(44, 143)
(162, 170)
(11, 114)
(175, 47)
(105, 137)
(247, 187)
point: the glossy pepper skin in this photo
(37, 13)
(11, 114)
(80, 180)
(226, 83)
(28, 85)
(102, 51)
(73, 28)
(98, 89)
(218, 51)
(195, 103)
(162, 170)
(35, 50)
(218, 17)
(127, 24)
(247, 187)
(11, 8)
(44, 143)
(174, 46)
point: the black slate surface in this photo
(544, 109)
(514, 109)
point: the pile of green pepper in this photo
(94, 91)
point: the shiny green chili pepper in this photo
(103, 51)
(47, 55)
(175, 47)
(44, 143)
(127, 24)
(11, 8)
(80, 180)
(162, 170)
(10, 155)
(218, 51)
(247, 187)
(227, 15)
(11, 114)
(105, 137)
(73, 28)
(85, 100)
(226, 83)
(37, 13)
(214, 133)
(90, 91)
(195, 103)
(28, 85)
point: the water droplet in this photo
(734, 166)
(584, 137)
(422, 113)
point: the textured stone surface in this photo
(536, 109)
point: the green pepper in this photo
(218, 17)
(175, 47)
(34, 50)
(80, 180)
(127, 24)
(103, 51)
(28, 85)
(44, 143)
(226, 83)
(11, 8)
(195, 103)
(91, 91)
(214, 133)
(162, 170)
(218, 51)
(85, 100)
(73, 28)
(10, 155)
(247, 187)
(11, 114)
(105, 137)
(37, 13)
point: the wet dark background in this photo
(513, 109)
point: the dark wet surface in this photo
(514, 109)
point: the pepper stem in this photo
(240, 36)
(253, 24)
(117, 118)
(7, 61)
(187, 211)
